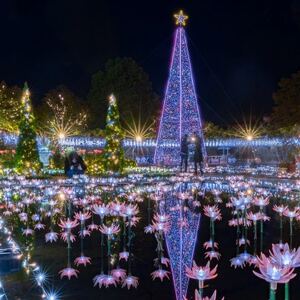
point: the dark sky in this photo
(239, 49)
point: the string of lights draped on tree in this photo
(180, 114)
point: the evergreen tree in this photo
(113, 151)
(27, 156)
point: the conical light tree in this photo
(27, 156)
(180, 112)
(113, 152)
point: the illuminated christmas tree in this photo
(180, 114)
(113, 151)
(27, 156)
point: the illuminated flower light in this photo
(285, 257)
(68, 224)
(27, 231)
(130, 281)
(212, 254)
(117, 207)
(124, 255)
(197, 296)
(68, 272)
(130, 210)
(273, 273)
(280, 208)
(82, 260)
(118, 273)
(84, 233)
(209, 245)
(180, 113)
(80, 216)
(51, 236)
(212, 212)
(99, 279)
(65, 235)
(110, 230)
(93, 227)
(161, 274)
(39, 226)
(163, 260)
(261, 202)
(237, 262)
(101, 210)
(291, 213)
(201, 273)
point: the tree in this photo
(212, 130)
(113, 156)
(10, 105)
(130, 84)
(285, 117)
(61, 114)
(27, 156)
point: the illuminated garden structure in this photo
(180, 113)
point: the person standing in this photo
(198, 154)
(74, 164)
(184, 153)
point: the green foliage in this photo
(113, 152)
(94, 163)
(10, 107)
(212, 130)
(57, 160)
(130, 84)
(286, 112)
(27, 156)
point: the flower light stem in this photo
(287, 291)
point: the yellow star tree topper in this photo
(181, 18)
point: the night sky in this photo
(239, 49)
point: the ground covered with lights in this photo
(136, 236)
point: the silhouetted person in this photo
(198, 155)
(74, 165)
(184, 151)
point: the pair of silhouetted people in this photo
(74, 164)
(195, 142)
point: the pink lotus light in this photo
(118, 273)
(261, 202)
(213, 297)
(39, 226)
(201, 273)
(280, 208)
(84, 233)
(82, 216)
(284, 257)
(161, 218)
(99, 279)
(161, 226)
(68, 272)
(291, 213)
(105, 280)
(212, 212)
(110, 230)
(148, 229)
(51, 236)
(133, 221)
(82, 260)
(68, 224)
(124, 255)
(130, 210)
(164, 261)
(161, 274)
(117, 207)
(93, 227)
(273, 273)
(28, 231)
(101, 210)
(254, 217)
(130, 281)
(23, 217)
(212, 254)
(64, 236)
(237, 262)
(209, 245)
